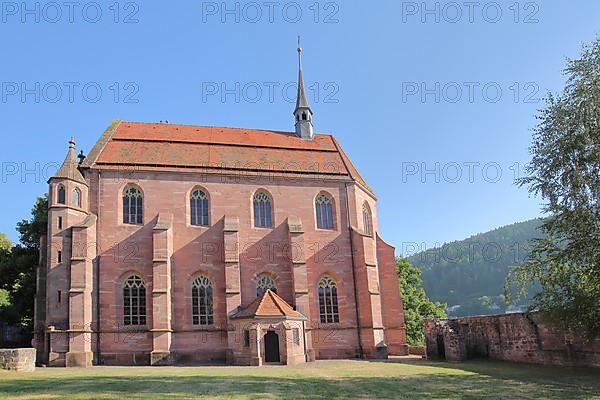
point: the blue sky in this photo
(434, 102)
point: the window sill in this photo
(330, 325)
(131, 226)
(201, 328)
(332, 230)
(133, 328)
(197, 226)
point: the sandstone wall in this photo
(20, 360)
(521, 337)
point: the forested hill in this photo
(469, 274)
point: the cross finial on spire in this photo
(72, 143)
(299, 54)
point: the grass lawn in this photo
(400, 379)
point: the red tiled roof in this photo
(142, 146)
(269, 304)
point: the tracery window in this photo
(328, 302)
(134, 301)
(199, 208)
(262, 210)
(324, 211)
(132, 205)
(202, 301)
(263, 283)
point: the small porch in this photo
(268, 331)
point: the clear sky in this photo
(433, 101)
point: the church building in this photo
(171, 244)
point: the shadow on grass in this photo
(172, 386)
(527, 373)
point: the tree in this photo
(32, 229)
(17, 268)
(416, 304)
(5, 244)
(565, 172)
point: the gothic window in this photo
(61, 194)
(296, 336)
(202, 301)
(303, 116)
(132, 205)
(262, 210)
(199, 208)
(263, 283)
(328, 302)
(76, 198)
(134, 301)
(367, 220)
(324, 211)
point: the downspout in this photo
(304, 335)
(360, 349)
(97, 283)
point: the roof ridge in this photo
(211, 143)
(260, 303)
(222, 127)
(276, 299)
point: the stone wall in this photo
(521, 337)
(416, 350)
(20, 360)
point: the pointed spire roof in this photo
(268, 305)
(301, 100)
(68, 169)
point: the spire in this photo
(68, 169)
(301, 101)
(302, 112)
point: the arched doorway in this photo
(441, 347)
(272, 347)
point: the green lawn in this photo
(401, 379)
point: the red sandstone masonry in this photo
(231, 258)
(391, 302)
(521, 337)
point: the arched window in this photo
(199, 208)
(367, 220)
(328, 303)
(132, 205)
(61, 195)
(324, 211)
(134, 301)
(202, 301)
(76, 198)
(263, 283)
(262, 210)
